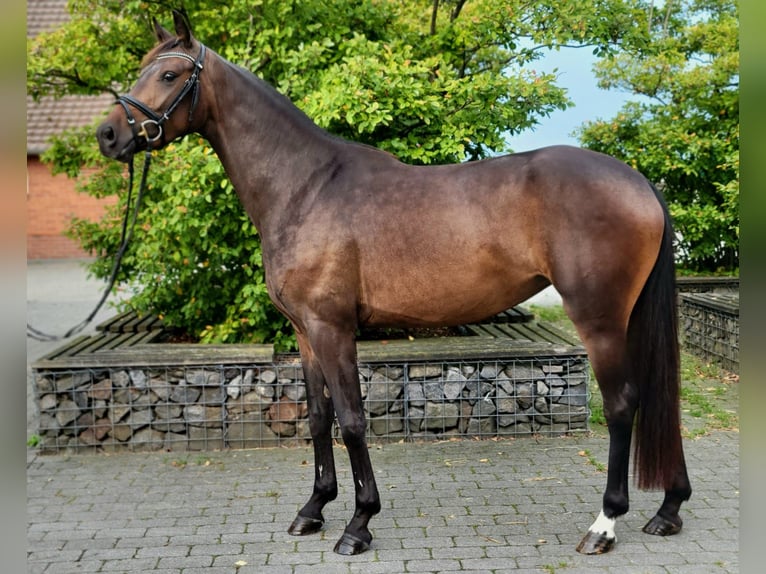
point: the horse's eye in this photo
(169, 76)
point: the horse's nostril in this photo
(106, 134)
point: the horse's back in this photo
(456, 243)
(554, 175)
(514, 207)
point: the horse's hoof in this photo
(659, 526)
(595, 543)
(349, 545)
(303, 525)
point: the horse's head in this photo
(163, 104)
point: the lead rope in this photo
(125, 237)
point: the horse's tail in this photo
(655, 366)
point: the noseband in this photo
(155, 119)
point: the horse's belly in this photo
(442, 300)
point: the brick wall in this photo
(51, 203)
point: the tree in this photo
(684, 131)
(431, 81)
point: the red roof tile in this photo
(45, 15)
(50, 116)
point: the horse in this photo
(352, 237)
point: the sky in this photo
(589, 102)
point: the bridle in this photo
(139, 131)
(153, 118)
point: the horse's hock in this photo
(118, 390)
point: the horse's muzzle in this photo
(111, 145)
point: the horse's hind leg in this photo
(667, 521)
(321, 416)
(607, 353)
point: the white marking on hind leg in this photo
(604, 525)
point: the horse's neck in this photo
(269, 148)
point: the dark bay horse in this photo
(352, 237)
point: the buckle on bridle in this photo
(142, 131)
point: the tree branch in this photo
(434, 12)
(667, 20)
(456, 11)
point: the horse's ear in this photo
(183, 29)
(160, 33)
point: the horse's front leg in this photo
(335, 349)
(321, 416)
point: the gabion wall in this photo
(710, 326)
(249, 406)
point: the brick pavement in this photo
(471, 506)
(505, 506)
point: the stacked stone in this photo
(206, 408)
(477, 400)
(710, 327)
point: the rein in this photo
(128, 224)
(139, 131)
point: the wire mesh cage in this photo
(264, 405)
(710, 327)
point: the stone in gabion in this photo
(138, 378)
(120, 379)
(250, 430)
(67, 412)
(267, 376)
(439, 416)
(294, 391)
(48, 402)
(204, 378)
(433, 390)
(148, 439)
(477, 389)
(384, 426)
(576, 396)
(415, 394)
(525, 394)
(185, 394)
(252, 401)
(235, 387)
(202, 438)
(454, 384)
(522, 372)
(160, 387)
(415, 417)
(245, 407)
(426, 371)
(203, 415)
(504, 403)
(381, 392)
(489, 371)
(283, 414)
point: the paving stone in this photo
(517, 505)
